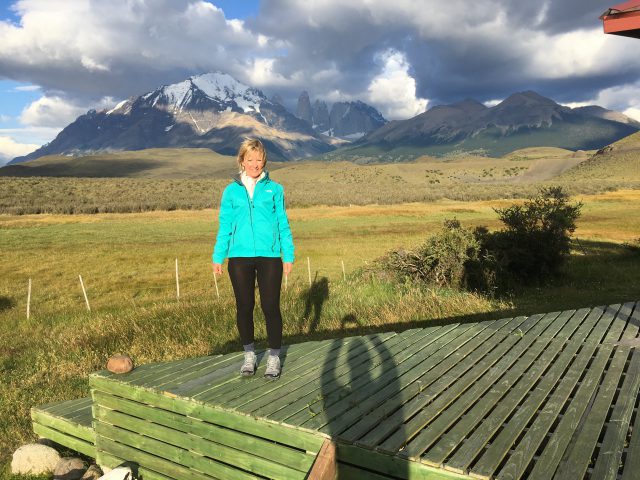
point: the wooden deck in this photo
(546, 396)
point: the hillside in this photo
(160, 163)
(620, 160)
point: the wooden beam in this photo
(325, 466)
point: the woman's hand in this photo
(217, 268)
(286, 268)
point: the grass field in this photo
(127, 262)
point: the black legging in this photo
(242, 271)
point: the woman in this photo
(253, 233)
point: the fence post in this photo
(29, 300)
(344, 275)
(309, 269)
(177, 282)
(86, 299)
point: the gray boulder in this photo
(71, 468)
(34, 459)
(93, 473)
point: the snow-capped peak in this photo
(218, 86)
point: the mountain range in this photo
(216, 111)
(522, 120)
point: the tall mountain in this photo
(347, 120)
(524, 119)
(304, 108)
(212, 110)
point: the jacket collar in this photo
(236, 178)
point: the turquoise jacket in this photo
(255, 227)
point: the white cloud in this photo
(493, 103)
(633, 112)
(9, 149)
(27, 88)
(57, 112)
(4, 118)
(394, 90)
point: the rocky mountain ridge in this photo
(212, 110)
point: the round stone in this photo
(120, 364)
(35, 459)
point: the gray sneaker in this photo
(273, 367)
(249, 365)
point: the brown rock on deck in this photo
(547, 396)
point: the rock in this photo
(93, 473)
(120, 473)
(71, 468)
(35, 459)
(120, 364)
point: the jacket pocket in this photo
(233, 235)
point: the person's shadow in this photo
(359, 374)
(314, 297)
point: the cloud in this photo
(120, 48)
(394, 90)
(27, 88)
(82, 52)
(9, 149)
(57, 112)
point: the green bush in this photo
(531, 248)
(444, 259)
(535, 242)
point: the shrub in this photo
(443, 260)
(535, 242)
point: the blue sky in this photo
(60, 58)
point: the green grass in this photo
(127, 262)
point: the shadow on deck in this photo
(544, 396)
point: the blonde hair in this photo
(250, 144)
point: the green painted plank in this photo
(156, 369)
(297, 459)
(352, 367)
(284, 391)
(147, 462)
(65, 407)
(293, 366)
(561, 329)
(520, 458)
(483, 395)
(323, 389)
(548, 461)
(257, 464)
(472, 427)
(601, 330)
(175, 454)
(473, 446)
(500, 446)
(63, 425)
(437, 398)
(578, 456)
(612, 446)
(283, 434)
(390, 465)
(631, 331)
(341, 415)
(443, 354)
(595, 326)
(617, 325)
(167, 379)
(63, 438)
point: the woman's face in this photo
(253, 163)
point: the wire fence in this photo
(86, 295)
